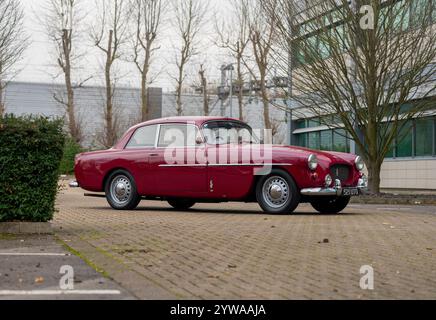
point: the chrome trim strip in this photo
(248, 164)
(227, 165)
(182, 165)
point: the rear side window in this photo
(144, 137)
(178, 135)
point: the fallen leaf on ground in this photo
(39, 280)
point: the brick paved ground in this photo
(232, 251)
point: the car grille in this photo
(341, 172)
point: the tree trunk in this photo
(241, 93)
(145, 112)
(179, 100)
(110, 136)
(179, 106)
(265, 102)
(144, 98)
(374, 180)
(203, 81)
(374, 161)
(2, 105)
(72, 125)
(205, 101)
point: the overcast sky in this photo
(38, 63)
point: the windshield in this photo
(229, 132)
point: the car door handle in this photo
(153, 155)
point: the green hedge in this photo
(71, 149)
(31, 149)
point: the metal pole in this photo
(231, 91)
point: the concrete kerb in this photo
(17, 228)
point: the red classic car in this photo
(189, 160)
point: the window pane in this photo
(401, 12)
(177, 136)
(324, 47)
(301, 124)
(341, 142)
(314, 142)
(302, 140)
(143, 138)
(420, 12)
(404, 142)
(314, 123)
(424, 137)
(327, 140)
(390, 153)
(433, 9)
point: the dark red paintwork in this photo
(229, 182)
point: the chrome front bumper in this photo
(336, 191)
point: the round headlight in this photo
(360, 165)
(313, 162)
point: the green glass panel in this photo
(390, 153)
(340, 141)
(314, 142)
(313, 123)
(401, 12)
(301, 124)
(338, 34)
(327, 140)
(302, 140)
(424, 137)
(324, 48)
(420, 11)
(404, 141)
(433, 10)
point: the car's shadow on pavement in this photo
(222, 211)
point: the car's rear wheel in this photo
(180, 204)
(121, 191)
(331, 205)
(278, 193)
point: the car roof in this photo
(194, 120)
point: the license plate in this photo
(350, 192)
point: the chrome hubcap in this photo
(276, 192)
(121, 190)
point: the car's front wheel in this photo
(330, 205)
(121, 192)
(278, 193)
(180, 204)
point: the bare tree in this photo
(147, 15)
(13, 42)
(233, 35)
(110, 35)
(204, 90)
(363, 65)
(63, 21)
(188, 21)
(262, 33)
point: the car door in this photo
(178, 163)
(230, 174)
(137, 153)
